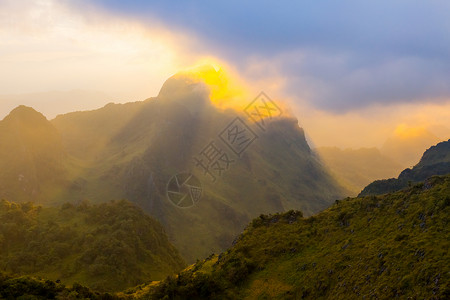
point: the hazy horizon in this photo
(350, 92)
(317, 125)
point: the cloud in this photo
(336, 83)
(48, 45)
(352, 70)
(339, 55)
(371, 126)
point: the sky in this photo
(352, 71)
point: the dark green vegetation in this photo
(130, 151)
(26, 287)
(382, 247)
(435, 161)
(355, 169)
(108, 247)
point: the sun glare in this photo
(406, 132)
(226, 90)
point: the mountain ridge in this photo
(133, 150)
(435, 161)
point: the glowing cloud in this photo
(405, 132)
(226, 89)
(46, 46)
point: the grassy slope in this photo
(377, 246)
(395, 245)
(110, 246)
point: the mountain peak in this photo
(26, 115)
(206, 85)
(435, 161)
(188, 89)
(436, 154)
(189, 78)
(29, 127)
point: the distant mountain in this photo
(356, 168)
(435, 161)
(136, 150)
(53, 103)
(31, 156)
(380, 247)
(407, 144)
(108, 247)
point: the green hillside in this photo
(108, 247)
(27, 287)
(435, 161)
(380, 247)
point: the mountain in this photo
(356, 168)
(407, 144)
(439, 154)
(139, 150)
(108, 247)
(389, 246)
(435, 161)
(31, 156)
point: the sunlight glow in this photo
(57, 47)
(405, 132)
(227, 90)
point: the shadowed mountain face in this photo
(435, 161)
(31, 155)
(133, 150)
